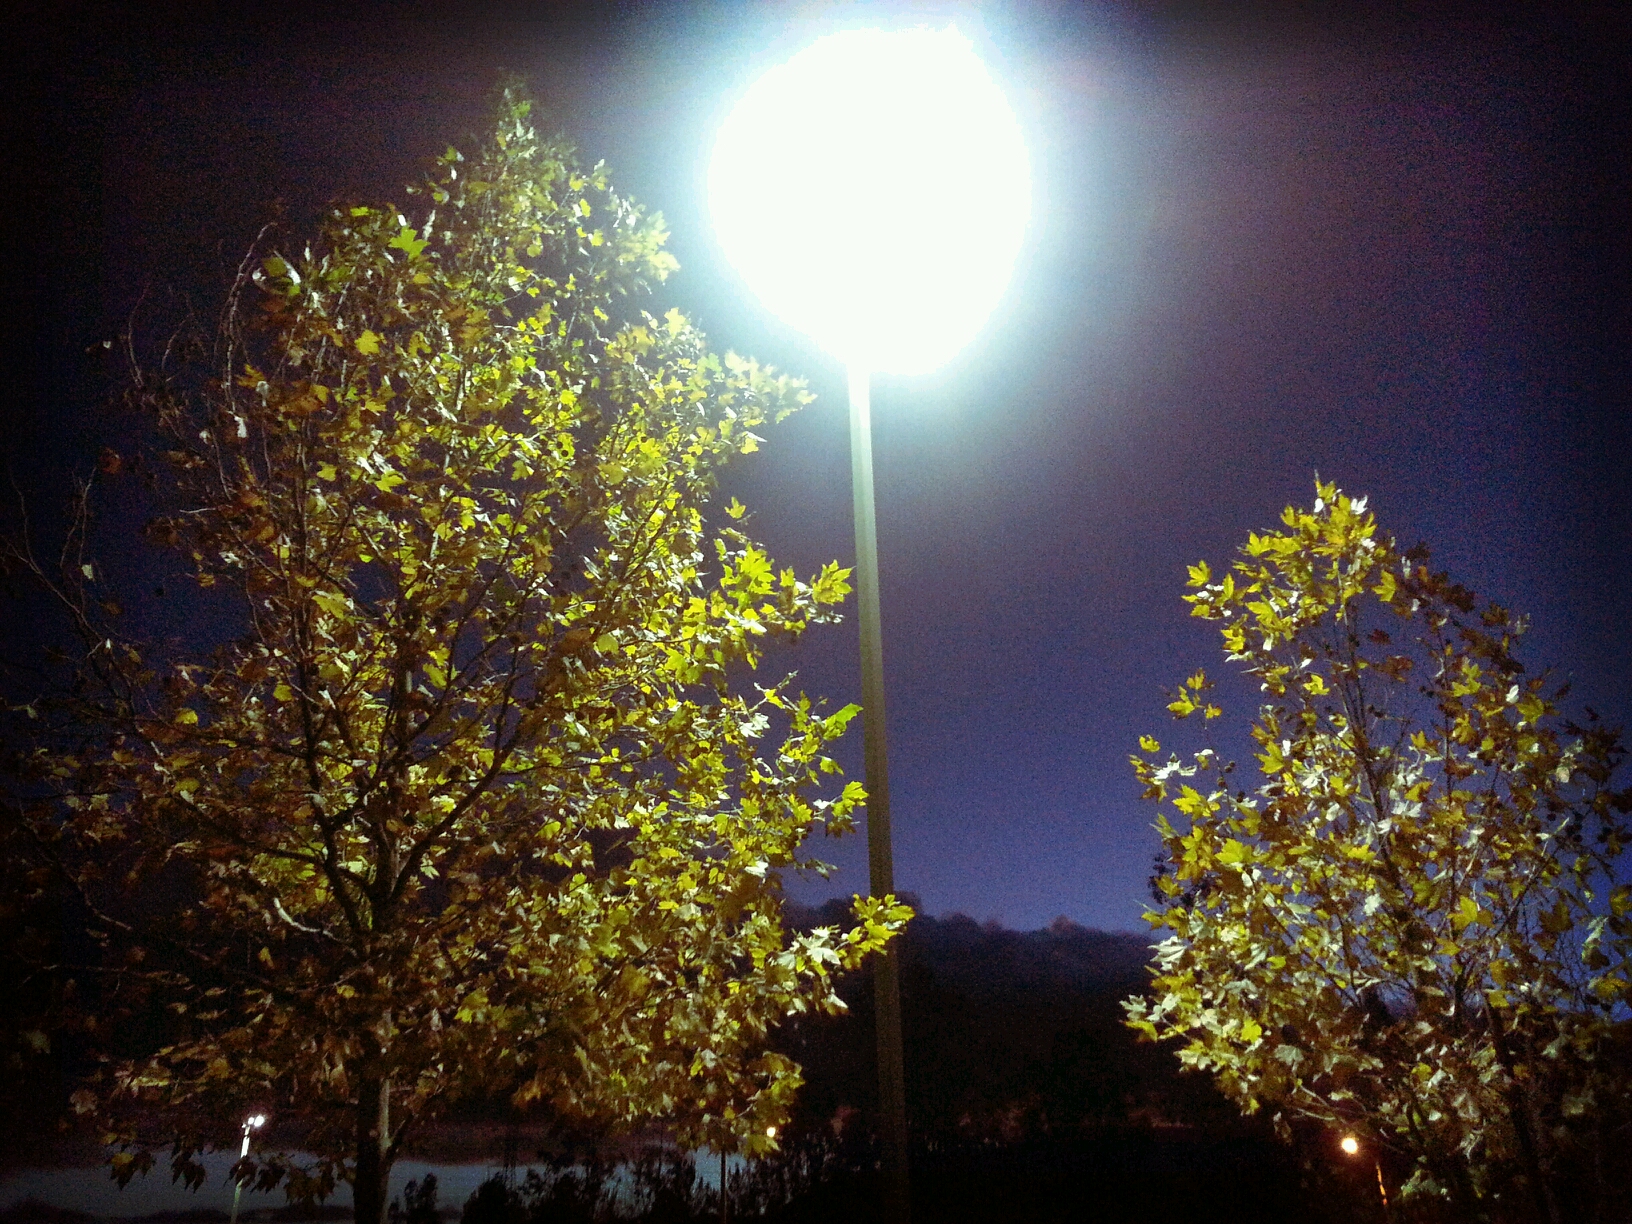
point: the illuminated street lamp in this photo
(874, 191)
(252, 1123)
(1351, 1147)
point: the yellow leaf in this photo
(1467, 912)
(368, 344)
(186, 718)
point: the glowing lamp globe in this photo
(874, 191)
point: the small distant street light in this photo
(252, 1123)
(1351, 1147)
(874, 191)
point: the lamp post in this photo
(251, 1123)
(1351, 1148)
(873, 190)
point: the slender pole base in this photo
(238, 1183)
(892, 1095)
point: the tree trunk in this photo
(1518, 1105)
(368, 1190)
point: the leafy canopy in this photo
(476, 792)
(1417, 923)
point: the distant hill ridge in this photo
(982, 959)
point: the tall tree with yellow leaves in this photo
(479, 792)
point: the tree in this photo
(475, 793)
(1417, 926)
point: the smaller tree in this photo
(1413, 926)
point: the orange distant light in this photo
(1350, 1145)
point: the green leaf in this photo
(1467, 912)
(1235, 853)
(409, 241)
(1182, 706)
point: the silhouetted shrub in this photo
(417, 1204)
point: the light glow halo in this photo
(874, 192)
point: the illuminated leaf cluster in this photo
(1417, 922)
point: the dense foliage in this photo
(473, 792)
(1417, 925)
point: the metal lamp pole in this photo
(254, 1122)
(892, 1096)
(811, 196)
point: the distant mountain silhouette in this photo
(1062, 955)
(1006, 1033)
(987, 958)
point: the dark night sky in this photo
(1395, 252)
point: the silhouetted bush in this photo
(563, 1192)
(417, 1204)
